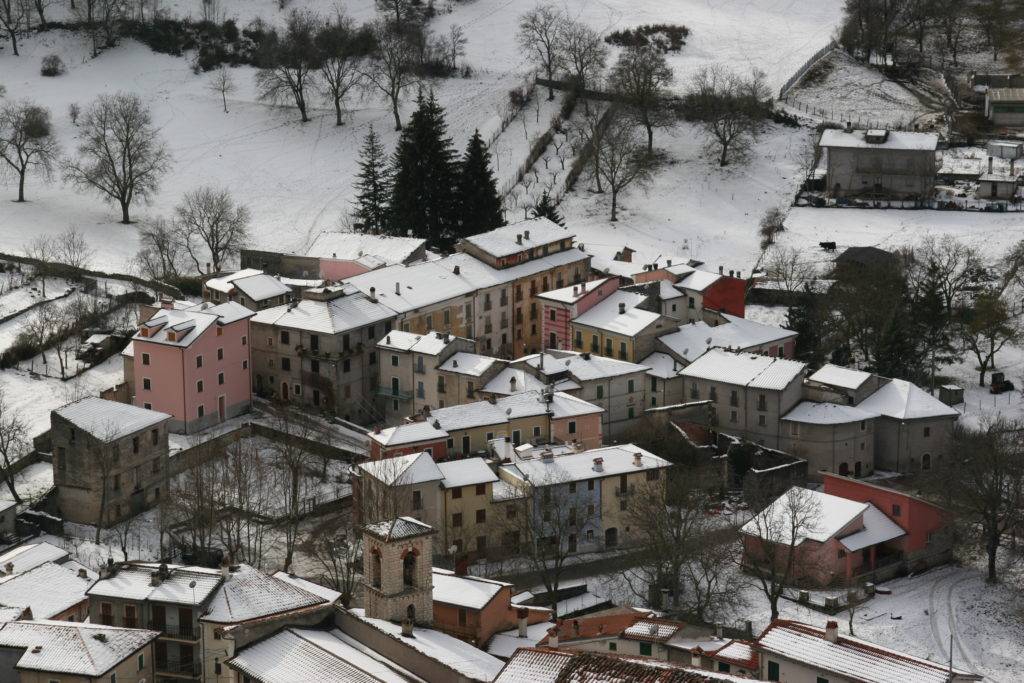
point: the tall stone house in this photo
(410, 379)
(879, 163)
(109, 459)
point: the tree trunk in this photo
(773, 600)
(615, 204)
(337, 112)
(597, 173)
(551, 90)
(9, 478)
(992, 547)
(394, 110)
(650, 138)
(723, 159)
(14, 41)
(125, 218)
(224, 98)
(21, 186)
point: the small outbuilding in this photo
(1005, 106)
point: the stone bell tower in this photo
(398, 578)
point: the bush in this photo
(664, 37)
(53, 65)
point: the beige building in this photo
(624, 326)
(465, 374)
(254, 289)
(409, 371)
(397, 571)
(321, 351)
(401, 486)
(52, 651)
(831, 437)
(877, 163)
(109, 459)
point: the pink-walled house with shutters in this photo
(562, 305)
(193, 364)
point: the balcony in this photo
(176, 631)
(388, 392)
(624, 492)
(178, 669)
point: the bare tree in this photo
(400, 11)
(983, 483)
(621, 159)
(790, 270)
(222, 84)
(986, 326)
(42, 250)
(539, 35)
(291, 66)
(773, 536)
(337, 549)
(245, 494)
(730, 109)
(14, 18)
(121, 155)
(27, 143)
(642, 76)
(161, 252)
(340, 65)
(948, 262)
(209, 222)
(72, 249)
(14, 441)
(189, 512)
(62, 323)
(392, 71)
(585, 53)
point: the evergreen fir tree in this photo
(805, 319)
(423, 198)
(479, 204)
(546, 209)
(373, 186)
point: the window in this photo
(220, 330)
(286, 364)
(694, 391)
(245, 364)
(457, 520)
(147, 406)
(622, 351)
(590, 484)
(653, 475)
(630, 413)
(200, 411)
(863, 425)
(600, 391)
(220, 378)
(761, 421)
(113, 678)
(645, 649)
(314, 342)
(841, 554)
(394, 361)
(516, 437)
(762, 403)
(713, 394)
(481, 516)
(551, 314)
(895, 510)
(346, 365)
(145, 359)
(154, 436)
(821, 679)
(732, 416)
(135, 444)
(462, 616)
(146, 384)
(285, 338)
(142, 662)
(199, 361)
(417, 500)
(773, 671)
(199, 387)
(927, 432)
(220, 354)
(245, 340)
(457, 492)
(481, 489)
(723, 667)
(631, 386)
(613, 647)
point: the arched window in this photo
(409, 569)
(926, 461)
(375, 568)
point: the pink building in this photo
(193, 364)
(562, 305)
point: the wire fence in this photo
(840, 118)
(811, 61)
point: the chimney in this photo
(83, 574)
(376, 429)
(154, 579)
(599, 464)
(668, 263)
(526, 234)
(521, 614)
(373, 293)
(512, 384)
(739, 274)
(622, 308)
(720, 270)
(456, 270)
(638, 459)
(519, 238)
(990, 164)
(695, 658)
(9, 567)
(730, 272)
(387, 339)
(553, 637)
(437, 424)
(849, 126)
(407, 627)
(455, 362)
(547, 455)
(398, 288)
(166, 302)
(832, 632)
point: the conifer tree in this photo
(479, 204)
(373, 186)
(423, 195)
(806, 319)
(546, 209)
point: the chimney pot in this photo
(990, 164)
(599, 464)
(832, 632)
(522, 614)
(622, 308)
(456, 270)
(721, 269)
(739, 273)
(9, 567)
(407, 627)
(512, 384)
(398, 288)
(553, 637)
(526, 234)
(82, 574)
(668, 263)
(455, 363)
(373, 292)
(638, 459)
(519, 238)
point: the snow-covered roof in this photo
(134, 582)
(838, 376)
(315, 588)
(248, 593)
(895, 140)
(1006, 94)
(353, 246)
(877, 529)
(582, 367)
(474, 664)
(821, 516)
(303, 654)
(472, 592)
(739, 652)
(399, 528)
(261, 287)
(472, 364)
(651, 630)
(30, 556)
(406, 288)
(512, 239)
(109, 420)
(430, 344)
(326, 317)
(77, 649)
(606, 316)
(904, 400)
(501, 383)
(692, 340)
(812, 412)
(698, 280)
(466, 472)
(753, 370)
(543, 665)
(189, 324)
(572, 293)
(505, 644)
(224, 283)
(409, 432)
(850, 657)
(47, 590)
(662, 365)
(560, 469)
(413, 468)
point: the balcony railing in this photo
(622, 492)
(181, 631)
(388, 392)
